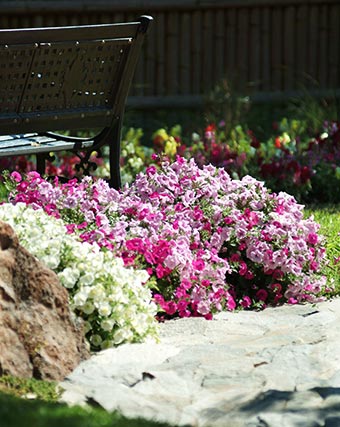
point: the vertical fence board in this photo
(288, 47)
(196, 49)
(301, 24)
(49, 20)
(74, 20)
(219, 45)
(334, 47)
(149, 64)
(62, 21)
(230, 47)
(313, 34)
(184, 54)
(254, 72)
(25, 22)
(83, 20)
(5, 22)
(242, 48)
(104, 18)
(118, 17)
(172, 46)
(160, 55)
(207, 49)
(276, 50)
(323, 46)
(265, 49)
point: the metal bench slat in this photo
(38, 144)
(24, 141)
(27, 147)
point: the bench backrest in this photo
(61, 78)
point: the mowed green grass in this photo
(33, 403)
(328, 217)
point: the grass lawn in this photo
(41, 409)
(329, 219)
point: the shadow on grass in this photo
(15, 412)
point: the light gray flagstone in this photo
(276, 368)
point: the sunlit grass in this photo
(34, 403)
(20, 387)
(328, 216)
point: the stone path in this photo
(275, 368)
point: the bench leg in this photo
(115, 181)
(41, 164)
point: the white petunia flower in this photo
(96, 340)
(69, 277)
(104, 309)
(80, 298)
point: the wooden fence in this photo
(265, 48)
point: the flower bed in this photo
(208, 242)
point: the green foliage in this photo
(134, 155)
(325, 184)
(314, 111)
(5, 188)
(224, 103)
(3, 192)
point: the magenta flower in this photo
(198, 264)
(16, 176)
(135, 244)
(245, 302)
(312, 238)
(262, 295)
(243, 269)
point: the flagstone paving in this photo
(276, 368)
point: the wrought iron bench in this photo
(67, 78)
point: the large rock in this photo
(278, 367)
(39, 336)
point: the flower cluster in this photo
(234, 152)
(112, 299)
(208, 242)
(134, 156)
(168, 143)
